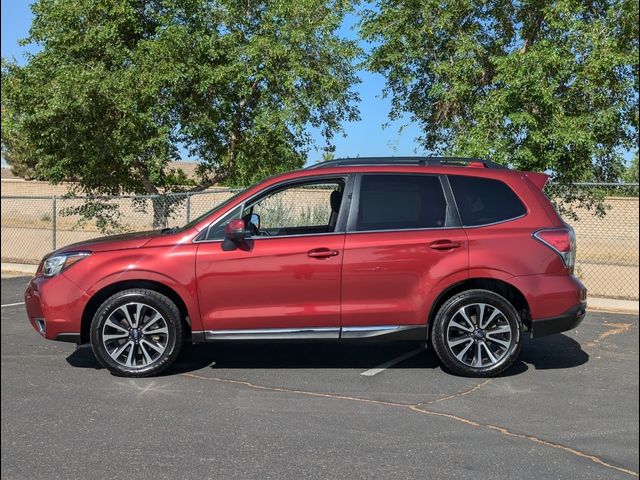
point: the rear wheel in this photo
(477, 333)
(136, 333)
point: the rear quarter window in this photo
(482, 201)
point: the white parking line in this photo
(11, 304)
(391, 363)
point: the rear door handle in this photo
(322, 253)
(444, 245)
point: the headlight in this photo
(54, 265)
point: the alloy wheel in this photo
(479, 335)
(135, 335)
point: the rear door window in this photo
(400, 202)
(482, 201)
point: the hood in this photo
(113, 242)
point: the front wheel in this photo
(477, 333)
(136, 333)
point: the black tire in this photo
(145, 361)
(462, 363)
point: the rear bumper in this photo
(550, 296)
(567, 321)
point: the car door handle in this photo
(322, 253)
(444, 245)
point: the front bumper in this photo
(567, 321)
(55, 306)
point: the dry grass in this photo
(189, 168)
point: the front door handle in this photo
(322, 253)
(444, 245)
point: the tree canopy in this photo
(118, 87)
(631, 173)
(544, 85)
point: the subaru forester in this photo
(461, 254)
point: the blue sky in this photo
(366, 137)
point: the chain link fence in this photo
(32, 226)
(607, 237)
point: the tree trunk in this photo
(160, 211)
(159, 202)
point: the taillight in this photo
(562, 241)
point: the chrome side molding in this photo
(320, 333)
(374, 331)
(387, 332)
(382, 332)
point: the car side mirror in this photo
(234, 230)
(234, 236)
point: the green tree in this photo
(630, 175)
(329, 153)
(545, 85)
(119, 86)
(12, 157)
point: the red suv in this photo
(464, 254)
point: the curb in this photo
(593, 303)
(18, 268)
(612, 305)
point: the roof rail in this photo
(425, 161)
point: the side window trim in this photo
(345, 204)
(452, 218)
(355, 204)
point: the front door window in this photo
(303, 209)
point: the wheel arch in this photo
(501, 287)
(105, 292)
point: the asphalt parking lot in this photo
(567, 409)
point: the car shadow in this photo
(83, 357)
(554, 352)
(300, 356)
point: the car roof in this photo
(433, 165)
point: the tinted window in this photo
(393, 202)
(482, 200)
